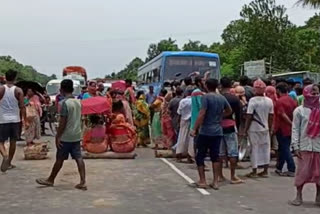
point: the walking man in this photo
(213, 107)
(258, 124)
(284, 109)
(229, 143)
(68, 137)
(11, 110)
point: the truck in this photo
(75, 73)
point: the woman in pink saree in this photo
(169, 136)
(34, 113)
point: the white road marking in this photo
(184, 176)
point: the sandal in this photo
(263, 175)
(44, 182)
(81, 187)
(278, 172)
(288, 174)
(252, 175)
(190, 161)
(5, 164)
(238, 181)
(296, 202)
(200, 186)
(12, 167)
(214, 187)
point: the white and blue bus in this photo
(175, 66)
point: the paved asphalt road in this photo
(143, 185)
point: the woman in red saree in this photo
(169, 136)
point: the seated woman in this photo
(94, 138)
(122, 135)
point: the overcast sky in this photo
(104, 35)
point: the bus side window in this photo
(156, 75)
(149, 77)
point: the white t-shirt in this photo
(185, 108)
(260, 108)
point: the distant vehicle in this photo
(176, 65)
(106, 87)
(298, 76)
(75, 73)
(53, 88)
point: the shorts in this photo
(10, 131)
(72, 148)
(205, 143)
(229, 145)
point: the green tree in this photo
(194, 46)
(310, 3)
(313, 22)
(164, 45)
(234, 34)
(25, 72)
(130, 71)
(308, 43)
(267, 22)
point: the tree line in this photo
(26, 72)
(264, 31)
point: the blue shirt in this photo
(80, 97)
(293, 95)
(86, 96)
(150, 98)
(214, 104)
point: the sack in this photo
(31, 112)
(36, 152)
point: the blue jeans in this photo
(285, 155)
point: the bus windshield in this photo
(179, 67)
(53, 88)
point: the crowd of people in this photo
(200, 115)
(195, 117)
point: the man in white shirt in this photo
(258, 127)
(185, 141)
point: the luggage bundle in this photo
(37, 151)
